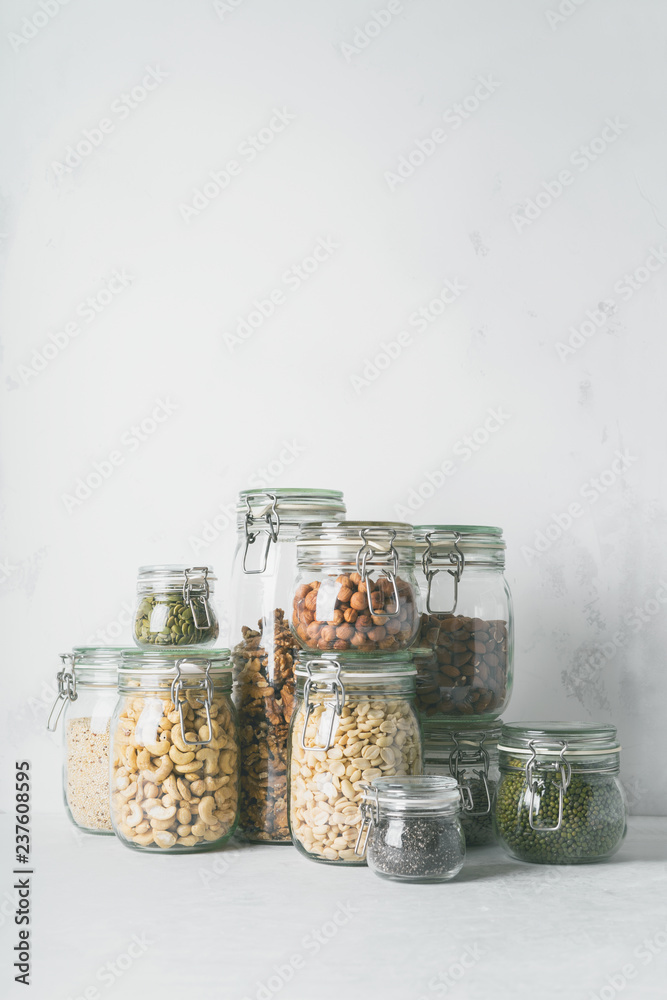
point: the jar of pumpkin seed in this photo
(174, 606)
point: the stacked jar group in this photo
(356, 716)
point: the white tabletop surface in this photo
(264, 922)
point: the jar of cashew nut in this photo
(467, 623)
(354, 721)
(174, 751)
(356, 587)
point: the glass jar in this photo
(337, 564)
(467, 622)
(468, 752)
(355, 720)
(174, 750)
(174, 606)
(560, 800)
(87, 695)
(413, 828)
(262, 657)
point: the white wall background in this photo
(590, 609)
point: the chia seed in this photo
(417, 848)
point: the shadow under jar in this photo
(174, 606)
(262, 657)
(560, 799)
(467, 622)
(355, 720)
(174, 751)
(87, 696)
(468, 752)
(356, 587)
(414, 828)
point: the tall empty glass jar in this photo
(87, 695)
(356, 587)
(467, 622)
(263, 646)
(355, 721)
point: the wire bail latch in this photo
(336, 687)
(456, 557)
(205, 685)
(270, 519)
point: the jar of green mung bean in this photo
(175, 607)
(559, 800)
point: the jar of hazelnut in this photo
(356, 587)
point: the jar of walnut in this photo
(356, 587)
(355, 720)
(262, 655)
(174, 751)
(466, 633)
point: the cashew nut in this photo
(164, 839)
(160, 812)
(135, 815)
(163, 771)
(143, 839)
(161, 824)
(180, 756)
(210, 758)
(157, 749)
(206, 808)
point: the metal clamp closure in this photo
(336, 687)
(457, 559)
(66, 690)
(197, 589)
(272, 521)
(561, 769)
(370, 814)
(367, 555)
(460, 760)
(206, 685)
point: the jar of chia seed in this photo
(411, 829)
(468, 752)
(559, 799)
(467, 622)
(356, 587)
(174, 606)
(354, 721)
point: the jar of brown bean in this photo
(466, 630)
(356, 587)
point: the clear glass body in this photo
(86, 722)
(263, 650)
(331, 608)
(414, 846)
(164, 617)
(471, 635)
(593, 822)
(167, 796)
(471, 757)
(376, 733)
